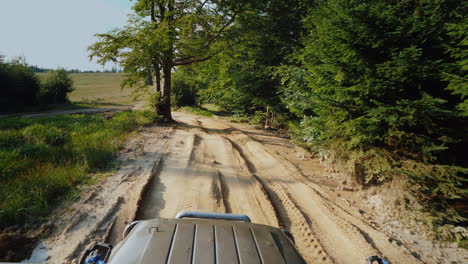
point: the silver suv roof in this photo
(205, 242)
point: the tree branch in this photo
(192, 59)
(202, 5)
(162, 10)
(220, 31)
(153, 16)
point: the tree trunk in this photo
(156, 77)
(164, 106)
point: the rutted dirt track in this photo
(210, 165)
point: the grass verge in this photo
(44, 159)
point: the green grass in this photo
(44, 159)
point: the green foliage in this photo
(162, 35)
(21, 89)
(42, 159)
(437, 186)
(259, 118)
(374, 88)
(184, 87)
(55, 87)
(363, 87)
(152, 102)
(456, 72)
(242, 80)
(38, 133)
(18, 85)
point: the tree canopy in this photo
(163, 34)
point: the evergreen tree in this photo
(457, 71)
(373, 75)
(379, 86)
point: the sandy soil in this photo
(213, 165)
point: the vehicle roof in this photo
(204, 241)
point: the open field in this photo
(97, 90)
(100, 89)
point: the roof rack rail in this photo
(220, 216)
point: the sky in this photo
(56, 33)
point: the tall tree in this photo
(375, 89)
(163, 34)
(243, 79)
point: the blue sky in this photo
(56, 33)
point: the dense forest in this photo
(378, 87)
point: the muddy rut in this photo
(209, 165)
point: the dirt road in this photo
(211, 165)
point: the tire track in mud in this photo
(306, 212)
(105, 207)
(241, 192)
(201, 171)
(352, 226)
(308, 243)
(289, 215)
(223, 190)
(182, 182)
(209, 166)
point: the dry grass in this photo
(99, 89)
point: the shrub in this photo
(55, 87)
(184, 88)
(19, 86)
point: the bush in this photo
(19, 86)
(184, 88)
(55, 87)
